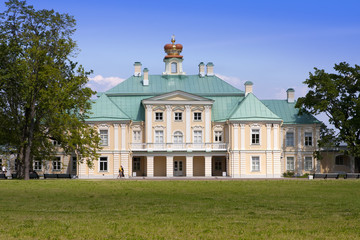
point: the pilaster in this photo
(276, 136)
(169, 166)
(207, 124)
(242, 136)
(236, 136)
(123, 136)
(208, 166)
(150, 166)
(168, 124)
(188, 123)
(116, 136)
(189, 166)
(149, 123)
(268, 136)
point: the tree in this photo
(42, 91)
(336, 95)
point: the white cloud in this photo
(234, 81)
(101, 84)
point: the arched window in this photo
(178, 137)
(174, 67)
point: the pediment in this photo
(177, 96)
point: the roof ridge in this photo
(118, 107)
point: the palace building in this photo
(179, 125)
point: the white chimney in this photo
(137, 72)
(146, 77)
(209, 69)
(202, 69)
(290, 95)
(248, 87)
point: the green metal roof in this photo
(222, 106)
(252, 109)
(289, 113)
(159, 84)
(105, 110)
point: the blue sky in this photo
(274, 44)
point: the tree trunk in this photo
(30, 136)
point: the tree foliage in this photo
(336, 95)
(42, 91)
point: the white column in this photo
(168, 124)
(299, 163)
(116, 136)
(169, 166)
(150, 166)
(123, 136)
(188, 123)
(189, 166)
(149, 123)
(268, 136)
(276, 138)
(207, 124)
(269, 165)
(207, 166)
(242, 136)
(236, 136)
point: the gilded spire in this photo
(173, 39)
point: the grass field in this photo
(80, 209)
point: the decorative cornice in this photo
(159, 127)
(255, 125)
(159, 108)
(197, 109)
(197, 127)
(103, 126)
(178, 108)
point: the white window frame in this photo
(102, 142)
(291, 158)
(178, 116)
(251, 136)
(197, 116)
(255, 158)
(159, 136)
(293, 139)
(104, 159)
(37, 165)
(136, 136)
(308, 143)
(217, 135)
(306, 163)
(197, 134)
(177, 135)
(56, 164)
(159, 116)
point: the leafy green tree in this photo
(336, 95)
(42, 91)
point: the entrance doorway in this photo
(178, 168)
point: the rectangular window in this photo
(103, 164)
(308, 163)
(255, 136)
(339, 160)
(57, 164)
(104, 137)
(158, 116)
(218, 165)
(290, 139)
(73, 164)
(159, 136)
(197, 116)
(290, 164)
(308, 138)
(218, 136)
(197, 136)
(37, 165)
(178, 116)
(136, 136)
(255, 164)
(136, 164)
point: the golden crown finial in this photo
(173, 39)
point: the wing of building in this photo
(174, 124)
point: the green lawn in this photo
(80, 209)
